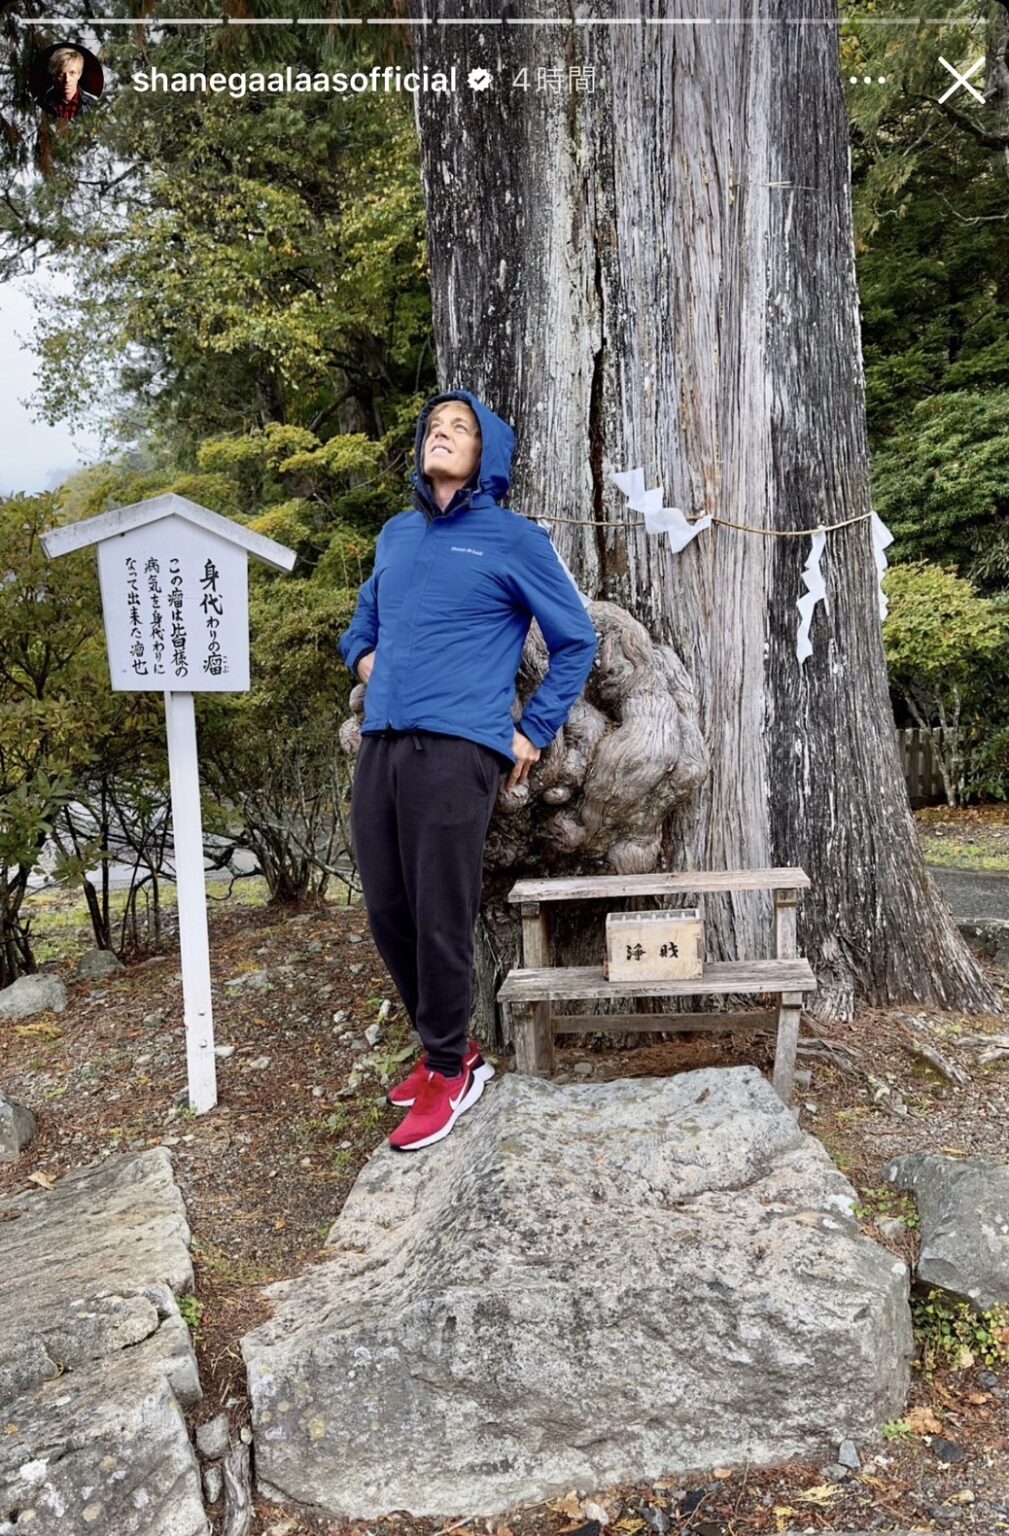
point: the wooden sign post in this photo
(175, 602)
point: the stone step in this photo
(96, 1361)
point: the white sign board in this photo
(175, 599)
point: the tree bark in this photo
(660, 272)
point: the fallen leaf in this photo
(782, 1514)
(46, 1180)
(571, 1506)
(721, 1472)
(955, 1151)
(977, 1398)
(922, 1421)
(821, 1494)
(44, 1031)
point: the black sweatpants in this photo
(421, 804)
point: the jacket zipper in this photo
(466, 502)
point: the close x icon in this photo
(961, 80)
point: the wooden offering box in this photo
(651, 946)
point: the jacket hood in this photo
(492, 476)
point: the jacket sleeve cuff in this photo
(533, 734)
(354, 656)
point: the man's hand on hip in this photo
(525, 755)
(365, 665)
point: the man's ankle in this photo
(449, 1072)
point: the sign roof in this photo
(107, 525)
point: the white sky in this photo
(33, 456)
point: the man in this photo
(437, 637)
(66, 97)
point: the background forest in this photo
(250, 321)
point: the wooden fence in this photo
(921, 771)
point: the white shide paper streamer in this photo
(671, 521)
(881, 537)
(815, 592)
(658, 519)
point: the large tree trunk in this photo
(660, 272)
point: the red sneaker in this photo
(403, 1094)
(436, 1109)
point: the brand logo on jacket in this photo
(464, 549)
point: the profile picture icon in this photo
(66, 80)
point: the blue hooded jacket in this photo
(448, 606)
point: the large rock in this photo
(97, 965)
(32, 994)
(963, 1209)
(988, 936)
(17, 1127)
(96, 1363)
(584, 1285)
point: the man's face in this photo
(452, 445)
(68, 73)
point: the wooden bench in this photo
(530, 990)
